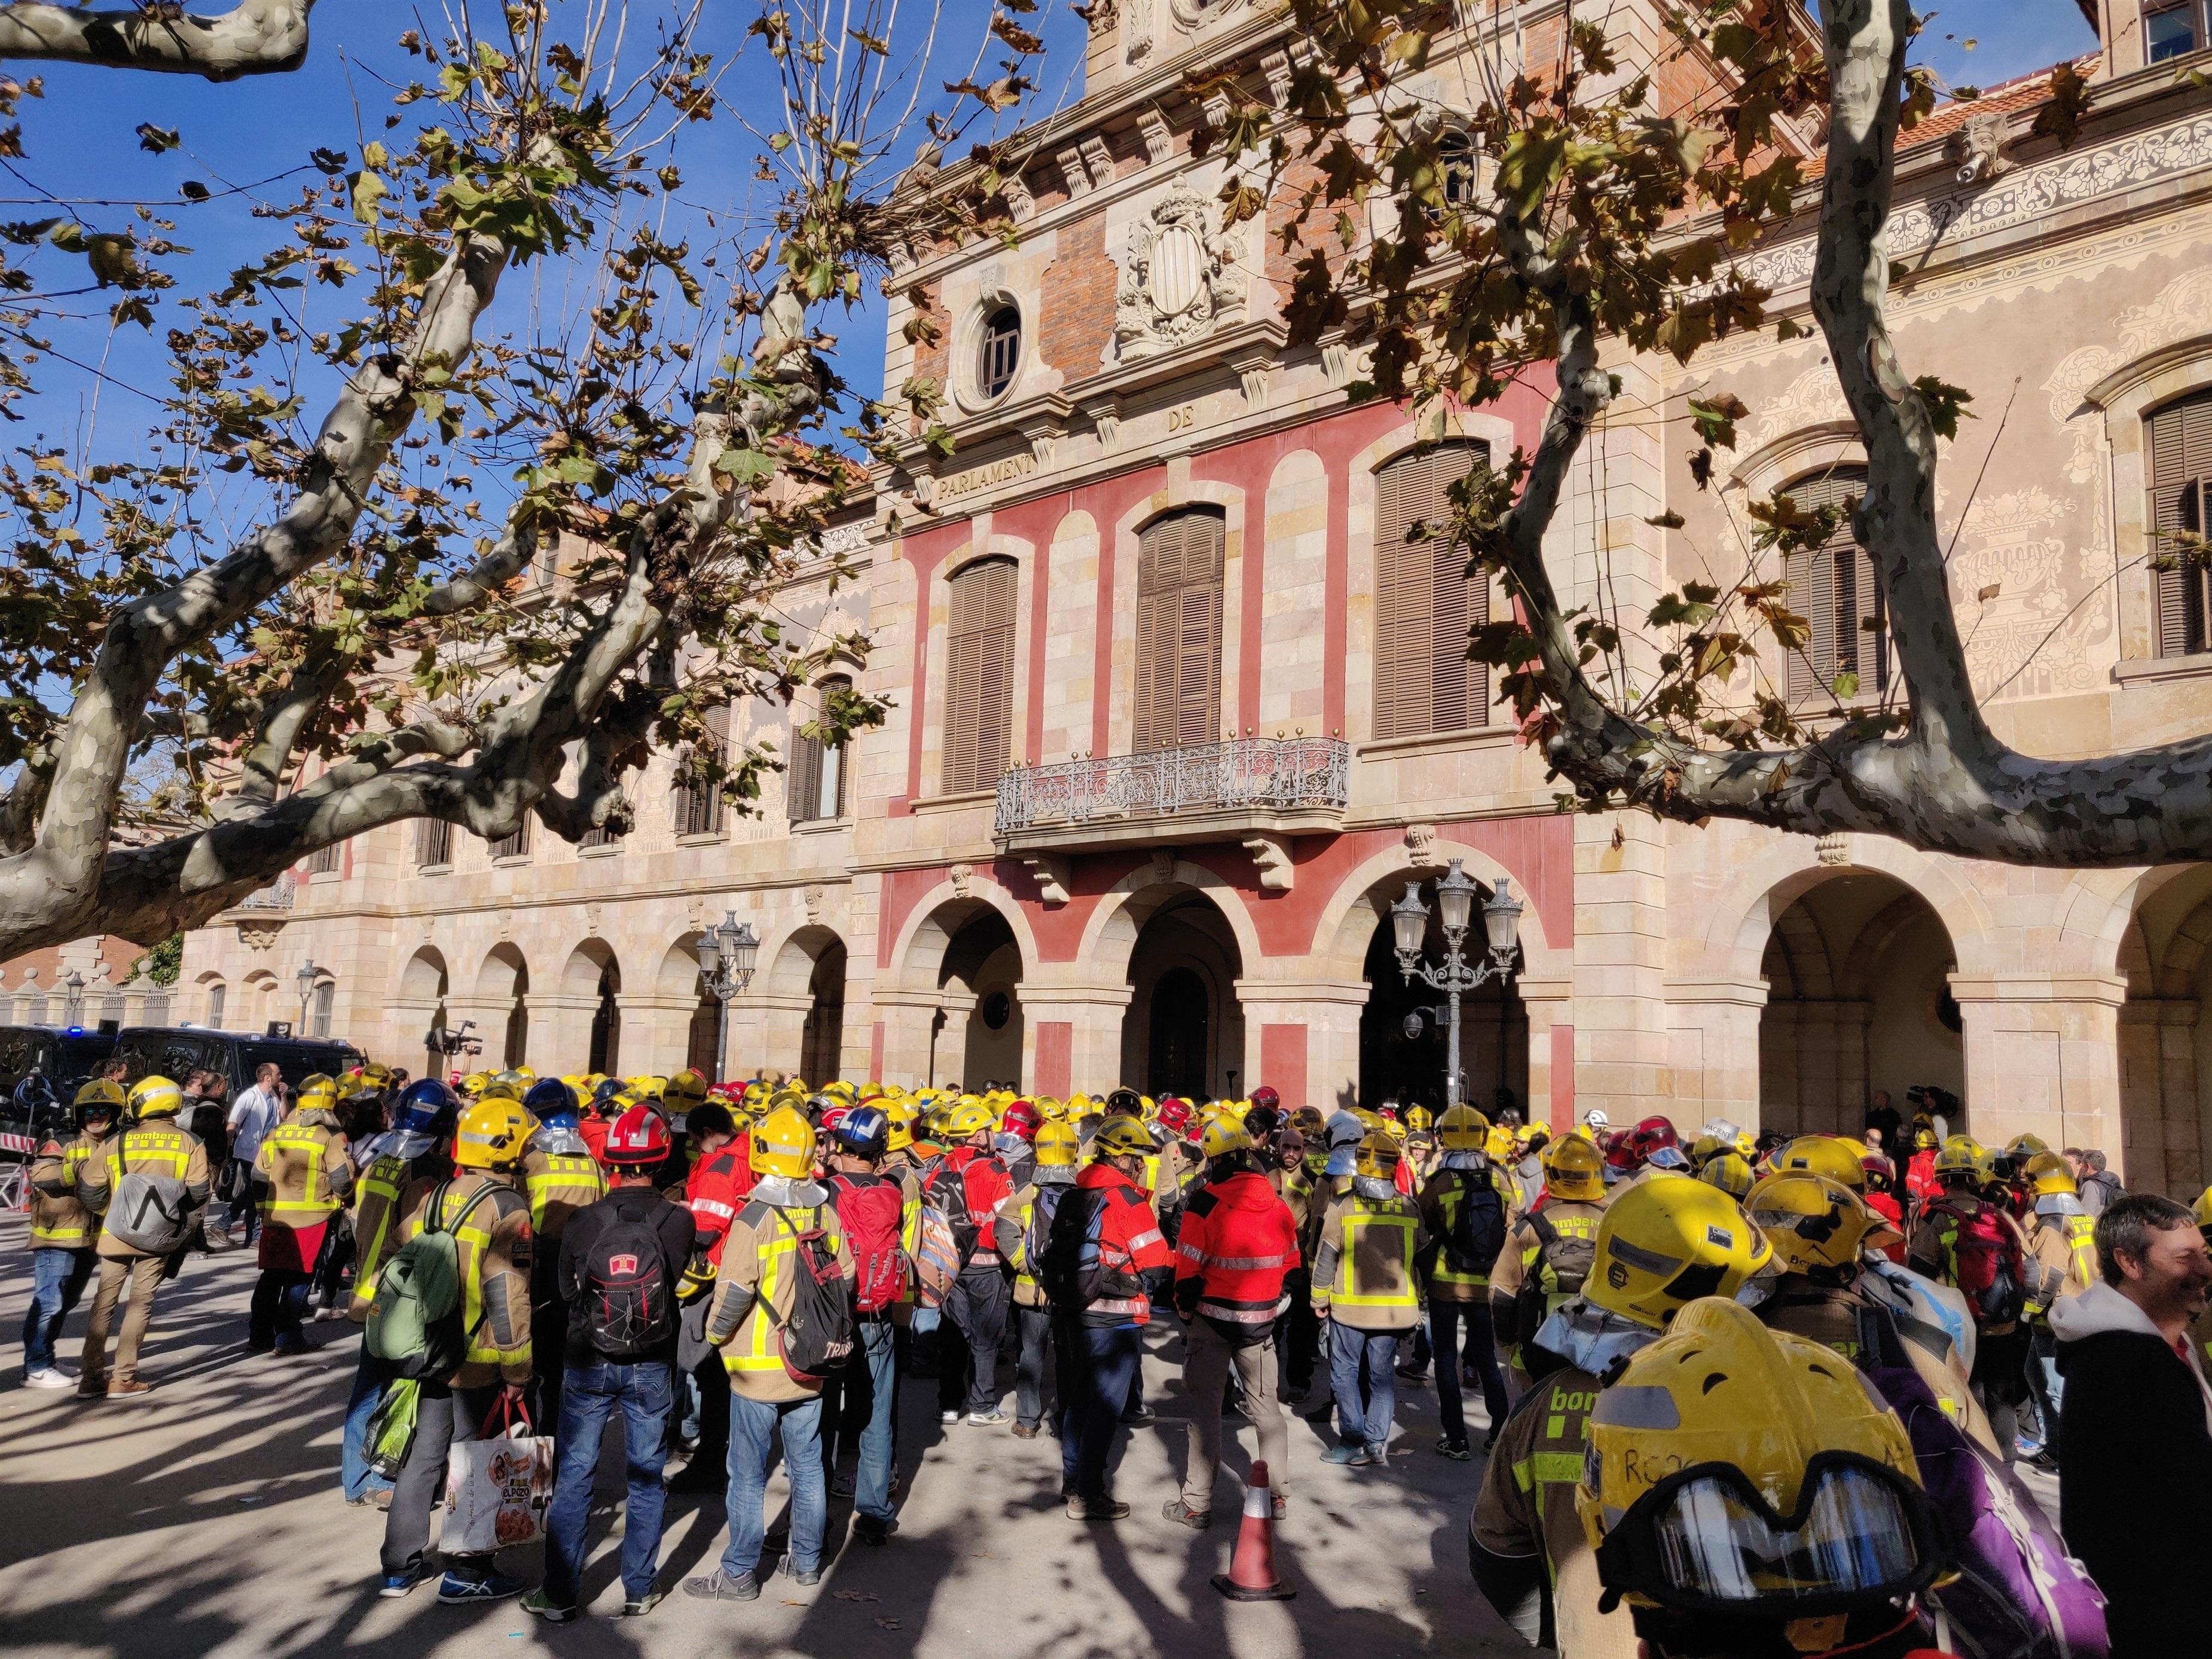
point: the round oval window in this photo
(1001, 352)
(998, 1009)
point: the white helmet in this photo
(1596, 1119)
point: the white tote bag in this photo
(497, 1487)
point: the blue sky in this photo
(82, 142)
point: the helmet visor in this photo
(1705, 1541)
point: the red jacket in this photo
(1920, 1174)
(715, 1191)
(1120, 1241)
(594, 1131)
(986, 1185)
(1886, 1205)
(1236, 1241)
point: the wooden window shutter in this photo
(979, 677)
(1424, 602)
(1180, 562)
(839, 759)
(2180, 463)
(1834, 588)
(803, 799)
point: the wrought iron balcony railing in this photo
(277, 896)
(1253, 774)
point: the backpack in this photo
(151, 1212)
(870, 1209)
(415, 1323)
(1566, 1257)
(1478, 1227)
(818, 1332)
(1983, 1257)
(628, 1308)
(936, 1257)
(1038, 1239)
(944, 1190)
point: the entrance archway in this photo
(1403, 1041)
(976, 1038)
(821, 1038)
(1859, 1000)
(2165, 1037)
(503, 985)
(1184, 1032)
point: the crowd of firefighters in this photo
(1720, 1374)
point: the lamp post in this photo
(726, 955)
(1409, 921)
(72, 999)
(304, 979)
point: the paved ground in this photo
(205, 1519)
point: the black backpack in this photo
(945, 1189)
(1477, 1228)
(629, 1307)
(820, 1330)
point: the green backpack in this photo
(415, 1326)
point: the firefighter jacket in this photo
(490, 1220)
(398, 1164)
(1441, 1197)
(1237, 1243)
(59, 1219)
(1364, 1275)
(1105, 1239)
(559, 1183)
(1932, 1250)
(154, 1148)
(984, 1186)
(753, 1289)
(715, 1192)
(303, 1172)
(1024, 1223)
(2062, 1252)
(1526, 1546)
(1525, 1265)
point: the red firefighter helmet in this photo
(1021, 1119)
(638, 1137)
(1649, 1136)
(1264, 1095)
(1175, 1113)
(1620, 1151)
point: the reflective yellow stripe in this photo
(566, 1175)
(1355, 1223)
(1547, 1469)
(313, 1145)
(761, 1354)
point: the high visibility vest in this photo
(76, 1232)
(2082, 1239)
(1448, 1211)
(149, 1151)
(1538, 1268)
(570, 1179)
(308, 1145)
(756, 1347)
(1360, 1223)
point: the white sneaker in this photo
(51, 1378)
(948, 1417)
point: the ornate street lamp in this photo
(304, 979)
(727, 955)
(1409, 923)
(73, 998)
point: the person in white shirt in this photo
(253, 1114)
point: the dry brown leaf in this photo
(887, 1623)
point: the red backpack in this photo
(1984, 1261)
(870, 1208)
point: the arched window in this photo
(1456, 155)
(818, 768)
(323, 1004)
(979, 675)
(1833, 586)
(1424, 601)
(1000, 347)
(2180, 480)
(1179, 560)
(217, 993)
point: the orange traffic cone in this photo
(1251, 1574)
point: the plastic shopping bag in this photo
(497, 1486)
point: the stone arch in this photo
(1797, 949)
(504, 972)
(1347, 924)
(1874, 940)
(1780, 871)
(588, 963)
(1110, 936)
(918, 952)
(424, 978)
(2166, 1031)
(1183, 1028)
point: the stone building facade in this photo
(1175, 720)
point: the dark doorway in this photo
(607, 1025)
(1177, 1064)
(517, 1021)
(823, 1037)
(1406, 1064)
(699, 1052)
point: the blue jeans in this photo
(1363, 1375)
(1109, 1363)
(356, 1478)
(754, 1427)
(871, 1491)
(589, 1395)
(1480, 1351)
(58, 1280)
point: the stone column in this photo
(1302, 1039)
(1621, 1045)
(907, 1018)
(2043, 1057)
(491, 1015)
(656, 1032)
(948, 1057)
(561, 1033)
(1072, 1037)
(1550, 1005)
(776, 1028)
(1714, 1048)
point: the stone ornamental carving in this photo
(1420, 844)
(1833, 849)
(1164, 864)
(591, 914)
(1137, 29)
(812, 896)
(1272, 854)
(964, 879)
(259, 937)
(1051, 871)
(1977, 149)
(1179, 278)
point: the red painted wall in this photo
(1056, 1057)
(1283, 1063)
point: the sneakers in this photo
(719, 1587)
(841, 1485)
(287, 1346)
(541, 1604)
(1102, 1509)
(1353, 1456)
(124, 1386)
(1456, 1448)
(636, 1606)
(1182, 1514)
(397, 1584)
(867, 1529)
(48, 1376)
(90, 1387)
(458, 1592)
(1142, 1415)
(948, 1418)
(993, 1418)
(1026, 1430)
(811, 1577)
(1413, 1378)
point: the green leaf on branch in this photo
(1945, 403)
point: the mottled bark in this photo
(1946, 783)
(256, 37)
